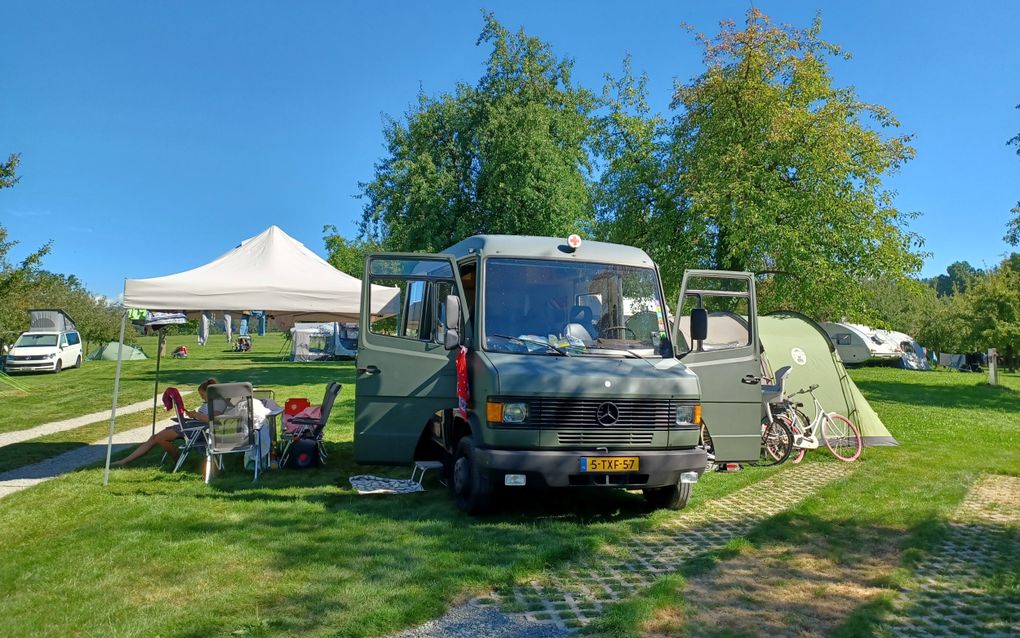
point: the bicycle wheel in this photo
(799, 427)
(776, 443)
(841, 437)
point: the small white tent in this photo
(321, 341)
(271, 271)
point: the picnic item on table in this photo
(295, 405)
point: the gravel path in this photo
(24, 477)
(10, 438)
(966, 587)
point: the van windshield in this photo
(554, 307)
(36, 340)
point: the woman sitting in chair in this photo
(165, 438)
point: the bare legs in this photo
(164, 439)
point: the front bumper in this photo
(552, 468)
(31, 366)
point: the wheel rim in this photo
(776, 443)
(841, 437)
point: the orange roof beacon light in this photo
(574, 241)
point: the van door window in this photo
(63, 340)
(73, 339)
(417, 311)
(727, 303)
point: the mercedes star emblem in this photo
(607, 414)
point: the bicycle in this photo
(838, 433)
(777, 434)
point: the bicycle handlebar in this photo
(810, 388)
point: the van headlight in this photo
(515, 412)
(51, 355)
(506, 412)
(688, 413)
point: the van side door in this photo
(404, 373)
(728, 361)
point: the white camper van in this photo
(50, 345)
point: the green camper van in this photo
(574, 374)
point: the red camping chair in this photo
(191, 430)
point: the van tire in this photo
(59, 366)
(77, 362)
(471, 490)
(672, 497)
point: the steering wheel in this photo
(633, 334)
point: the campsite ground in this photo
(301, 554)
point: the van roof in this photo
(549, 248)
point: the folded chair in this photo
(312, 429)
(193, 431)
(231, 425)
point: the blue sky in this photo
(155, 136)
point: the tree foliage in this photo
(346, 255)
(8, 171)
(1013, 227)
(786, 170)
(507, 155)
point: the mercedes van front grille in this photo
(615, 413)
(588, 437)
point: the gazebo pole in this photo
(155, 389)
(116, 390)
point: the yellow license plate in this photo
(610, 464)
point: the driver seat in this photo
(577, 331)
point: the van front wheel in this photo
(471, 489)
(673, 497)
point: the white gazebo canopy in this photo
(271, 271)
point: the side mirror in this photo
(699, 324)
(452, 338)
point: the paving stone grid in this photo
(572, 597)
(960, 590)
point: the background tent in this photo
(792, 339)
(272, 272)
(108, 352)
(320, 341)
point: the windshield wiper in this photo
(623, 350)
(525, 340)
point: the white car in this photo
(45, 351)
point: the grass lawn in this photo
(297, 554)
(952, 427)
(301, 554)
(71, 393)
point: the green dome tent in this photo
(108, 352)
(792, 339)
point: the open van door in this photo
(727, 361)
(404, 367)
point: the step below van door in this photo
(727, 362)
(404, 372)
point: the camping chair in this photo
(231, 425)
(193, 431)
(312, 429)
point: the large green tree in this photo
(506, 155)
(785, 170)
